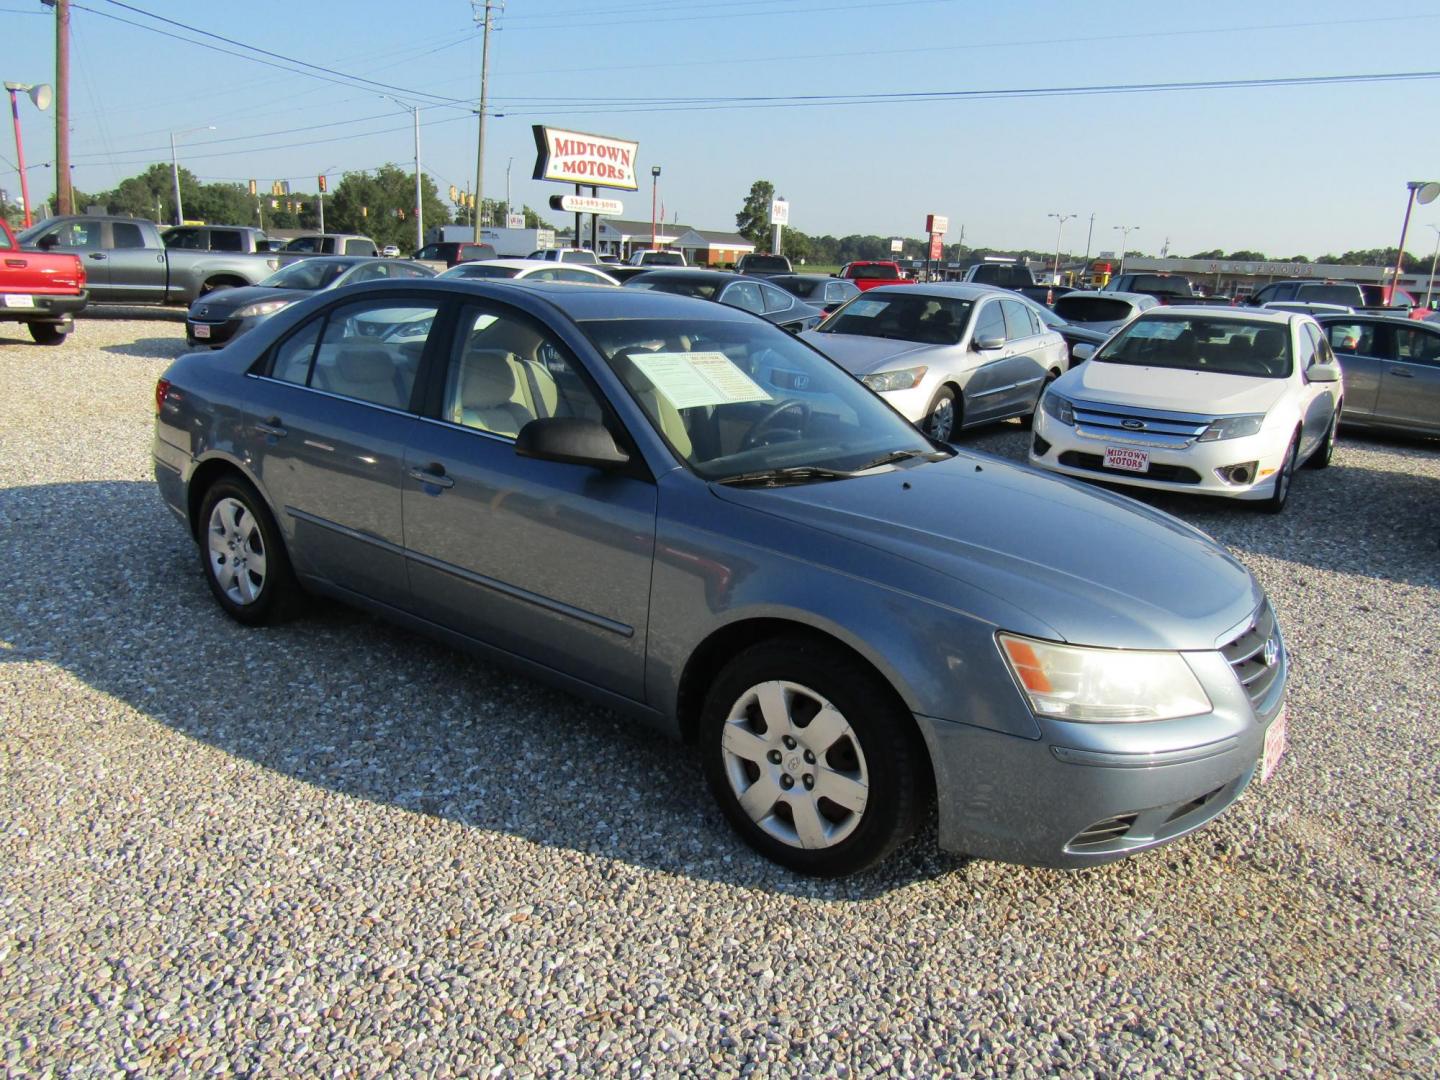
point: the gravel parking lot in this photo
(338, 848)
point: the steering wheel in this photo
(752, 437)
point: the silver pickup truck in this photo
(127, 262)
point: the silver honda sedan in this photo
(699, 521)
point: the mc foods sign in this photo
(574, 157)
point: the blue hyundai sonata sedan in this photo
(691, 517)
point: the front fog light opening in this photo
(1238, 475)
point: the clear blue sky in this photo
(1290, 170)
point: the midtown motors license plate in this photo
(16, 299)
(201, 330)
(1275, 746)
(1121, 457)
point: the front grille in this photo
(1174, 474)
(1134, 426)
(1246, 654)
(1186, 809)
(1102, 833)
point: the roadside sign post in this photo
(937, 225)
(779, 218)
(596, 161)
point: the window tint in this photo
(1018, 323)
(293, 356)
(1352, 337)
(1345, 295)
(1416, 346)
(1087, 309)
(127, 235)
(429, 251)
(359, 247)
(370, 350)
(991, 322)
(184, 239)
(505, 371)
(226, 240)
(744, 294)
(304, 243)
(775, 299)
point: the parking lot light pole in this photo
(1421, 191)
(175, 168)
(1059, 231)
(40, 95)
(1124, 231)
(320, 197)
(1430, 281)
(419, 206)
(654, 187)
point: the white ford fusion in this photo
(1215, 402)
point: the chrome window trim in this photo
(331, 394)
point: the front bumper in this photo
(914, 404)
(1065, 449)
(214, 334)
(1088, 794)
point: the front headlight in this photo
(1058, 407)
(1069, 682)
(903, 379)
(262, 307)
(1233, 427)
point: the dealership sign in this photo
(937, 223)
(587, 204)
(574, 157)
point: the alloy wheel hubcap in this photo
(795, 764)
(237, 551)
(942, 420)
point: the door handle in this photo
(1402, 373)
(272, 427)
(434, 475)
(98, 256)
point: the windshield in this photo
(735, 398)
(307, 274)
(1344, 295)
(480, 270)
(870, 273)
(699, 287)
(1219, 345)
(903, 315)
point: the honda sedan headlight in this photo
(1060, 408)
(903, 379)
(262, 307)
(1233, 427)
(1070, 682)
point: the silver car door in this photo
(1026, 366)
(988, 381)
(1410, 385)
(136, 272)
(1361, 347)
(545, 560)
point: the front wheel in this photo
(46, 333)
(942, 419)
(244, 560)
(1326, 450)
(811, 759)
(1276, 502)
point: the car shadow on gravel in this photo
(348, 703)
(134, 312)
(152, 348)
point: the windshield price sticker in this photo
(689, 380)
(866, 309)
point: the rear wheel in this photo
(46, 333)
(1283, 478)
(811, 758)
(942, 419)
(244, 559)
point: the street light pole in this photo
(419, 204)
(654, 188)
(40, 95)
(1088, 237)
(1059, 231)
(1430, 283)
(175, 169)
(1423, 191)
(1124, 231)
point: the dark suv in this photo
(452, 253)
(1167, 288)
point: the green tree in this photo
(796, 245)
(380, 204)
(753, 220)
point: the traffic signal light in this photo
(275, 188)
(252, 187)
(324, 187)
(454, 191)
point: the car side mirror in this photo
(987, 342)
(570, 440)
(1323, 373)
(1082, 352)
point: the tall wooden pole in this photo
(480, 143)
(64, 202)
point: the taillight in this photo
(162, 391)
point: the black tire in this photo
(274, 596)
(1320, 459)
(945, 403)
(888, 748)
(215, 286)
(1283, 479)
(46, 333)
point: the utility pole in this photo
(64, 197)
(484, 99)
(1088, 236)
(419, 205)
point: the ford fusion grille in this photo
(1145, 427)
(1254, 656)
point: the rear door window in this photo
(1417, 346)
(775, 299)
(359, 247)
(746, 295)
(370, 350)
(1352, 338)
(126, 235)
(226, 240)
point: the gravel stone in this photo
(337, 848)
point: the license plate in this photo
(1275, 746)
(201, 330)
(1122, 457)
(16, 299)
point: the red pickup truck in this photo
(868, 274)
(39, 289)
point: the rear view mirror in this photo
(986, 342)
(570, 440)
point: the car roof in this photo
(688, 273)
(1352, 316)
(1230, 314)
(526, 264)
(957, 290)
(809, 277)
(1133, 297)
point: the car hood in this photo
(1167, 388)
(224, 302)
(1094, 567)
(860, 355)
